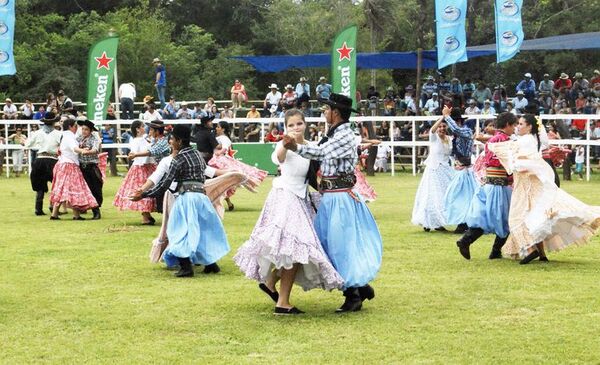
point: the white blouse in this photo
(293, 172)
(140, 144)
(67, 147)
(439, 151)
(225, 142)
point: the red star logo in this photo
(103, 61)
(345, 52)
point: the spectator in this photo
(160, 80)
(520, 102)
(381, 161)
(227, 113)
(324, 89)
(18, 138)
(41, 113)
(427, 90)
(383, 132)
(272, 99)
(443, 85)
(170, 110)
(468, 89)
(10, 110)
(510, 107)
(409, 102)
(198, 110)
(148, 100)
(51, 103)
(579, 161)
(499, 98)
(595, 83)
(488, 109)
(65, 104)
(472, 109)
(127, 98)
(253, 113)
(110, 113)
(27, 109)
(389, 102)
(238, 96)
(432, 106)
(151, 114)
(126, 138)
(456, 92)
(580, 85)
(290, 97)
(562, 85)
(481, 94)
(305, 109)
(252, 133)
(273, 136)
(210, 102)
(596, 136)
(373, 98)
(579, 124)
(184, 112)
(302, 91)
(313, 133)
(108, 137)
(527, 86)
(545, 88)
(580, 102)
(215, 111)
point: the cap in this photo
(434, 94)
(528, 75)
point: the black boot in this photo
(352, 302)
(497, 248)
(212, 268)
(366, 292)
(532, 256)
(461, 228)
(186, 270)
(96, 212)
(39, 203)
(470, 236)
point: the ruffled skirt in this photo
(226, 162)
(489, 209)
(350, 237)
(429, 208)
(363, 187)
(69, 186)
(459, 195)
(283, 236)
(136, 177)
(194, 230)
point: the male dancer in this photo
(88, 162)
(41, 170)
(344, 224)
(490, 205)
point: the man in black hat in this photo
(41, 170)
(88, 162)
(345, 226)
(160, 144)
(204, 137)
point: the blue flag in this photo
(450, 28)
(7, 33)
(509, 29)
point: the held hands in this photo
(131, 156)
(446, 111)
(136, 196)
(289, 143)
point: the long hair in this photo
(226, 127)
(134, 126)
(531, 120)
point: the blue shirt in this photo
(528, 88)
(323, 91)
(108, 136)
(162, 81)
(462, 145)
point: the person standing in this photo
(343, 223)
(488, 211)
(88, 162)
(127, 97)
(108, 137)
(18, 139)
(48, 138)
(160, 80)
(204, 137)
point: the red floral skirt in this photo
(136, 177)
(68, 186)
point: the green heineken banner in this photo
(102, 63)
(343, 63)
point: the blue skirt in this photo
(489, 209)
(350, 237)
(195, 231)
(459, 196)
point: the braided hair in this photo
(531, 120)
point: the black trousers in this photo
(556, 178)
(93, 178)
(473, 234)
(41, 173)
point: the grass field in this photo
(85, 292)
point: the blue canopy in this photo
(408, 60)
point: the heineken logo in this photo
(100, 98)
(103, 61)
(345, 52)
(346, 81)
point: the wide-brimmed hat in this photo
(322, 78)
(289, 86)
(50, 118)
(273, 86)
(8, 100)
(564, 76)
(273, 109)
(528, 75)
(338, 101)
(156, 124)
(597, 72)
(487, 101)
(148, 98)
(578, 74)
(155, 60)
(520, 92)
(546, 75)
(207, 117)
(303, 79)
(429, 77)
(88, 123)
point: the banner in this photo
(102, 62)
(343, 63)
(450, 18)
(509, 29)
(7, 37)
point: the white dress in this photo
(429, 208)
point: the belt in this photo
(190, 187)
(88, 164)
(341, 183)
(496, 176)
(46, 154)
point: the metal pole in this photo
(587, 150)
(6, 153)
(393, 165)
(29, 151)
(414, 147)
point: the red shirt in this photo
(579, 124)
(560, 83)
(272, 138)
(490, 159)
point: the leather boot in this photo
(366, 292)
(352, 302)
(97, 214)
(39, 203)
(461, 228)
(497, 248)
(212, 268)
(186, 270)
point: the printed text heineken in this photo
(100, 98)
(346, 82)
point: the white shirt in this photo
(224, 141)
(383, 150)
(519, 104)
(431, 105)
(163, 168)
(27, 110)
(273, 99)
(472, 110)
(439, 152)
(140, 144)
(12, 109)
(45, 142)
(67, 148)
(580, 156)
(152, 116)
(293, 172)
(127, 91)
(488, 111)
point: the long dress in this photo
(540, 211)
(284, 233)
(429, 209)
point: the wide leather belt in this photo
(46, 155)
(339, 183)
(496, 176)
(88, 165)
(191, 187)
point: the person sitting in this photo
(520, 102)
(527, 86)
(273, 136)
(10, 110)
(184, 112)
(170, 110)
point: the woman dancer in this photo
(196, 234)
(68, 186)
(542, 216)
(284, 238)
(89, 161)
(429, 210)
(223, 159)
(137, 175)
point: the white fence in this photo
(413, 144)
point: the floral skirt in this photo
(136, 177)
(68, 186)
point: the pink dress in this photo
(362, 186)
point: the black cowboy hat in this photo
(156, 124)
(338, 101)
(88, 123)
(207, 117)
(50, 118)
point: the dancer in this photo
(203, 136)
(365, 190)
(223, 159)
(488, 211)
(89, 162)
(48, 138)
(68, 185)
(429, 209)
(344, 224)
(140, 169)
(284, 243)
(462, 187)
(196, 234)
(542, 216)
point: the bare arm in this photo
(435, 125)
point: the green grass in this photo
(85, 292)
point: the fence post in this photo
(414, 147)
(587, 149)
(392, 159)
